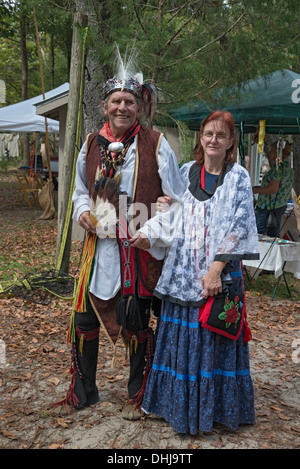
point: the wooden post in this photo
(77, 58)
(43, 92)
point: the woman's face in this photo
(215, 139)
(122, 111)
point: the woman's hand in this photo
(163, 203)
(86, 223)
(211, 282)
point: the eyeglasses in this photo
(210, 135)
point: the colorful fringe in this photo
(80, 297)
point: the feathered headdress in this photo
(128, 78)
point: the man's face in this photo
(122, 111)
(272, 157)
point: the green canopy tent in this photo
(274, 98)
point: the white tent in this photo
(22, 117)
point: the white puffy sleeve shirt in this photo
(106, 278)
(218, 228)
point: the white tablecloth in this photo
(273, 256)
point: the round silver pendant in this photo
(115, 147)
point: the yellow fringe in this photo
(79, 302)
(85, 273)
(133, 344)
(82, 337)
(114, 360)
(71, 331)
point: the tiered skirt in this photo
(198, 377)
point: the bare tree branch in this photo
(206, 45)
(178, 10)
(140, 22)
(188, 98)
(209, 88)
(168, 43)
(161, 4)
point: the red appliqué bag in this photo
(225, 314)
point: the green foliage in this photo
(55, 36)
(6, 19)
(189, 49)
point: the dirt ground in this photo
(34, 372)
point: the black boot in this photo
(83, 391)
(85, 361)
(85, 357)
(141, 357)
(137, 335)
(138, 354)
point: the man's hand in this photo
(271, 188)
(140, 240)
(86, 223)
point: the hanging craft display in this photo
(261, 135)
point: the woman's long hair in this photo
(228, 121)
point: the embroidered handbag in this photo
(224, 314)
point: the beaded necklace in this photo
(110, 162)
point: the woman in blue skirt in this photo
(200, 376)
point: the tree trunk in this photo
(65, 221)
(93, 114)
(52, 59)
(95, 74)
(24, 83)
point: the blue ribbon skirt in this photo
(198, 377)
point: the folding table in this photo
(276, 255)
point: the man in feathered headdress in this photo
(121, 265)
